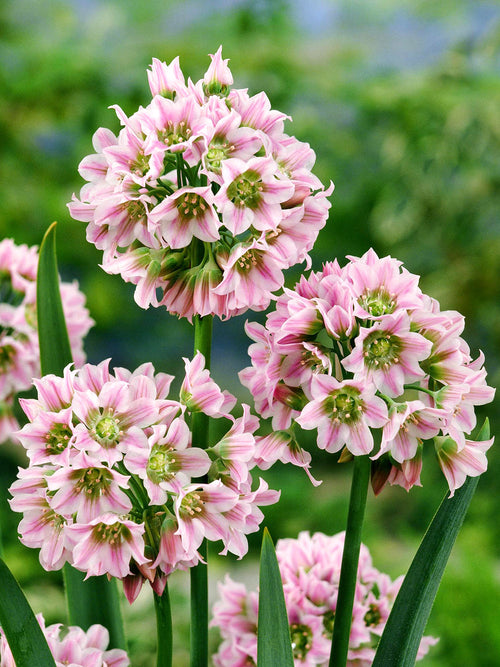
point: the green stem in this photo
(350, 558)
(199, 574)
(163, 629)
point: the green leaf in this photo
(95, 600)
(55, 350)
(406, 624)
(273, 640)
(24, 635)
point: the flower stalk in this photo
(350, 558)
(163, 629)
(199, 573)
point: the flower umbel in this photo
(310, 570)
(203, 178)
(111, 484)
(357, 349)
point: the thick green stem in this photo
(199, 574)
(163, 629)
(350, 558)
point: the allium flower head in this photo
(115, 484)
(19, 353)
(201, 191)
(360, 348)
(310, 573)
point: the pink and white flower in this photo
(343, 413)
(106, 545)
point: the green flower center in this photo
(249, 260)
(246, 190)
(216, 154)
(140, 165)
(174, 133)
(135, 210)
(345, 405)
(92, 482)
(57, 438)
(372, 616)
(381, 349)
(107, 430)
(301, 636)
(55, 520)
(192, 504)
(113, 534)
(7, 354)
(190, 205)
(377, 303)
(162, 464)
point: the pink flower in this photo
(218, 77)
(199, 510)
(409, 424)
(166, 80)
(251, 194)
(343, 344)
(250, 275)
(106, 545)
(387, 353)
(87, 489)
(381, 286)
(186, 213)
(167, 463)
(199, 393)
(458, 464)
(343, 412)
(111, 421)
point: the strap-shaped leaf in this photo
(95, 600)
(24, 635)
(406, 624)
(55, 350)
(273, 641)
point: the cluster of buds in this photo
(115, 484)
(358, 351)
(19, 351)
(310, 571)
(202, 200)
(73, 646)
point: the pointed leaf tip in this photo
(273, 637)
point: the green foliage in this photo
(273, 640)
(95, 600)
(404, 629)
(24, 635)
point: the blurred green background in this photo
(400, 101)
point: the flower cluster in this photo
(310, 571)
(73, 646)
(361, 348)
(202, 200)
(19, 352)
(115, 484)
